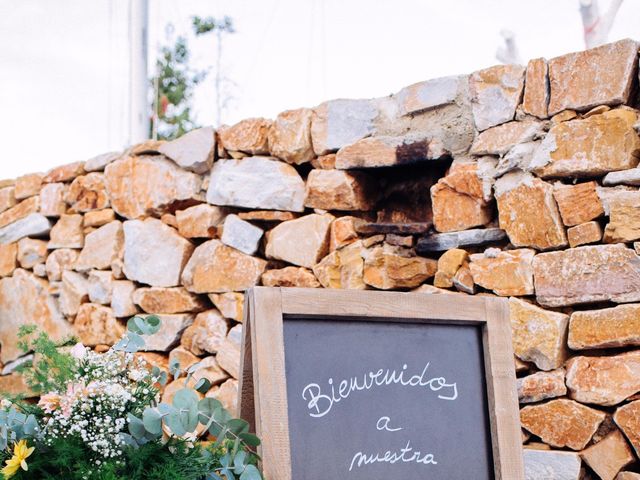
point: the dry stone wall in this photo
(514, 181)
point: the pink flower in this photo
(50, 402)
(79, 351)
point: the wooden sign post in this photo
(376, 385)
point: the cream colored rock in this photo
(605, 328)
(627, 417)
(206, 334)
(341, 190)
(98, 218)
(15, 384)
(20, 211)
(33, 225)
(87, 193)
(8, 259)
(495, 94)
(578, 203)
(343, 268)
(343, 232)
(541, 386)
(302, 242)
(200, 221)
(193, 151)
(227, 394)
(584, 234)
(208, 368)
(536, 89)
(184, 358)
(608, 456)
(248, 136)
(74, 291)
(499, 140)
(505, 272)
(290, 277)
(624, 218)
(228, 355)
(551, 465)
(96, 325)
(31, 252)
(99, 162)
(430, 94)
(67, 232)
(390, 268)
(290, 136)
(64, 173)
(7, 198)
(463, 279)
(230, 304)
(167, 300)
(28, 185)
(52, 202)
(241, 235)
(102, 247)
(122, 298)
(171, 328)
(100, 286)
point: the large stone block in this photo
(206, 334)
(624, 218)
(499, 140)
(249, 136)
(167, 300)
(541, 386)
(341, 190)
(505, 272)
(578, 203)
(200, 221)
(608, 456)
(96, 325)
(193, 151)
(606, 328)
(429, 94)
(551, 465)
(87, 193)
(301, 242)
(389, 268)
(627, 417)
(495, 94)
(102, 247)
(290, 136)
(536, 89)
(343, 268)
(33, 225)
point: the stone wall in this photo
(512, 181)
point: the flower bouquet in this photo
(99, 418)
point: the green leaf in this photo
(238, 426)
(203, 385)
(251, 473)
(250, 439)
(136, 426)
(185, 398)
(152, 420)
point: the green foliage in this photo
(202, 26)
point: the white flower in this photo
(4, 403)
(79, 351)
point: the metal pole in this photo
(138, 79)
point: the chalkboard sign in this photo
(380, 385)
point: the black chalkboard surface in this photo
(386, 400)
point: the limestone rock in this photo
(74, 291)
(208, 368)
(562, 423)
(608, 456)
(140, 186)
(200, 221)
(167, 300)
(505, 272)
(206, 334)
(27, 186)
(429, 94)
(67, 232)
(14, 384)
(216, 268)
(541, 386)
(98, 218)
(589, 147)
(8, 258)
(341, 190)
(241, 235)
(248, 136)
(154, 253)
(499, 140)
(605, 328)
(467, 238)
(20, 211)
(390, 268)
(495, 94)
(586, 275)
(7, 198)
(627, 417)
(628, 476)
(267, 216)
(599, 76)
(52, 202)
(96, 325)
(343, 232)
(463, 279)
(31, 252)
(228, 355)
(256, 182)
(622, 177)
(102, 247)
(584, 234)
(193, 151)
(182, 357)
(99, 162)
(290, 277)
(578, 203)
(33, 225)
(604, 380)
(64, 173)
(624, 218)
(551, 465)
(302, 242)
(536, 89)
(88, 192)
(342, 268)
(122, 298)
(290, 136)
(227, 394)
(528, 212)
(168, 336)
(448, 265)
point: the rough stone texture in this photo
(14, 384)
(52, 202)
(156, 181)
(200, 221)
(87, 192)
(20, 211)
(7, 198)
(536, 89)
(584, 234)
(606, 328)
(499, 140)
(25, 301)
(628, 476)
(390, 268)
(256, 182)
(302, 242)
(624, 218)
(429, 94)
(290, 277)
(96, 325)
(8, 259)
(74, 291)
(468, 238)
(342, 268)
(589, 147)
(154, 253)
(230, 304)
(343, 232)
(33, 225)
(586, 275)
(578, 203)
(604, 380)
(627, 417)
(228, 355)
(171, 329)
(122, 298)
(505, 272)
(28, 186)
(541, 386)
(623, 177)
(193, 151)
(216, 268)
(98, 218)
(206, 334)
(600, 76)
(551, 465)
(562, 423)
(241, 235)
(31, 252)
(448, 265)
(539, 336)
(64, 173)
(528, 212)
(99, 162)
(290, 136)
(102, 247)
(267, 216)
(227, 394)
(495, 94)
(167, 300)
(340, 190)
(67, 232)
(608, 456)
(249, 136)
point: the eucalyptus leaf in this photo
(251, 473)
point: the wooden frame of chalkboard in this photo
(263, 398)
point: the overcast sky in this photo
(64, 63)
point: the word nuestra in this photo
(405, 455)
(320, 402)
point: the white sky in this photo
(64, 63)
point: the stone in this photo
(536, 89)
(541, 386)
(148, 185)
(627, 417)
(622, 177)
(208, 368)
(624, 218)
(31, 252)
(193, 151)
(267, 216)
(230, 304)
(302, 242)
(518, 158)
(448, 265)
(33, 225)
(598, 76)
(604, 380)
(463, 279)
(389, 268)
(290, 277)
(578, 203)
(8, 258)
(338, 123)
(341, 190)
(388, 151)
(610, 455)
(171, 328)
(290, 136)
(429, 94)
(441, 242)
(528, 212)
(551, 465)
(343, 268)
(122, 298)
(609, 194)
(20, 211)
(458, 200)
(74, 291)
(380, 229)
(539, 336)
(25, 300)
(64, 173)
(495, 94)
(228, 355)
(200, 221)
(27, 186)
(99, 162)
(241, 235)
(67, 232)
(7, 198)
(562, 423)
(589, 147)
(605, 328)
(88, 192)
(167, 300)
(586, 275)
(505, 272)
(227, 395)
(102, 248)
(183, 357)
(499, 140)
(206, 334)
(154, 253)
(343, 232)
(98, 218)
(628, 476)
(399, 240)
(52, 202)
(15, 384)
(217, 268)
(100, 286)
(248, 136)
(584, 234)
(256, 182)
(96, 325)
